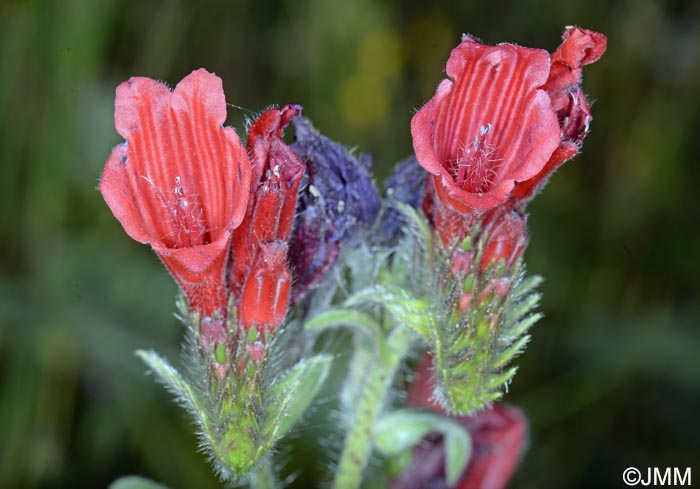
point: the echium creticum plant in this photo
(273, 243)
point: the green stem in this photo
(262, 476)
(379, 370)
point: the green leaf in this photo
(345, 317)
(290, 396)
(418, 222)
(135, 482)
(175, 383)
(400, 430)
(458, 449)
(400, 303)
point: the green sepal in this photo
(398, 431)
(176, 384)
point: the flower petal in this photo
(498, 87)
(187, 174)
(488, 126)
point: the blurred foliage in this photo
(612, 377)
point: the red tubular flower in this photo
(258, 273)
(266, 292)
(489, 125)
(498, 439)
(181, 181)
(502, 122)
(580, 47)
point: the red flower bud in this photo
(506, 238)
(258, 273)
(277, 172)
(266, 292)
(580, 47)
(181, 181)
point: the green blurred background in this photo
(612, 376)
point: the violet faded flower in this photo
(337, 198)
(404, 185)
(181, 181)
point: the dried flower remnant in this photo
(404, 185)
(181, 181)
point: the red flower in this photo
(506, 238)
(489, 125)
(181, 181)
(266, 291)
(498, 439)
(506, 114)
(259, 275)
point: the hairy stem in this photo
(262, 476)
(379, 370)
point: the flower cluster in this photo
(250, 231)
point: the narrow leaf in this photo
(401, 430)
(174, 382)
(400, 303)
(458, 448)
(345, 317)
(291, 396)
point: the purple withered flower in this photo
(336, 200)
(405, 185)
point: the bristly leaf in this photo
(475, 349)
(242, 414)
(346, 317)
(405, 307)
(177, 385)
(290, 396)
